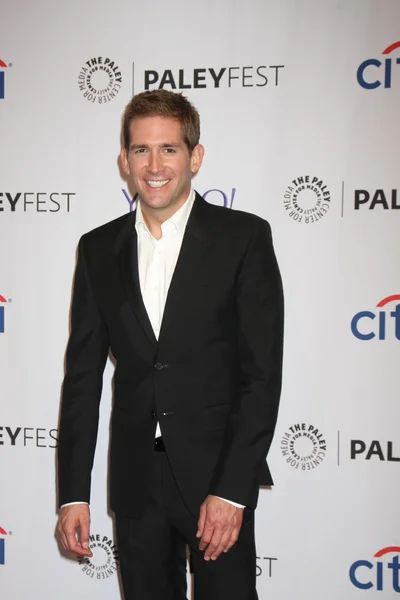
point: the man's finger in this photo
(63, 538)
(74, 546)
(233, 539)
(218, 541)
(201, 521)
(84, 534)
(74, 528)
(207, 535)
(226, 537)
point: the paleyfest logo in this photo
(213, 196)
(307, 199)
(100, 80)
(303, 446)
(211, 78)
(380, 574)
(104, 562)
(373, 72)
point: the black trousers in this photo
(152, 550)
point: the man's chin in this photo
(155, 203)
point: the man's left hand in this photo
(218, 526)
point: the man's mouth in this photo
(156, 183)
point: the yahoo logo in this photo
(361, 323)
(377, 64)
(213, 196)
(365, 575)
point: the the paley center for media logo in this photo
(259, 76)
(375, 72)
(379, 574)
(307, 199)
(104, 562)
(100, 79)
(381, 323)
(303, 446)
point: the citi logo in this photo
(2, 546)
(383, 324)
(366, 575)
(382, 69)
(2, 301)
(2, 77)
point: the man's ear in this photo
(196, 158)
(124, 161)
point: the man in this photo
(188, 297)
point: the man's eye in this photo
(169, 150)
(140, 150)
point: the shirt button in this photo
(158, 366)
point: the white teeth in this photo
(157, 184)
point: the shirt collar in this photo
(179, 219)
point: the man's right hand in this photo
(74, 528)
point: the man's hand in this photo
(73, 520)
(218, 526)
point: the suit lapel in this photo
(192, 250)
(127, 258)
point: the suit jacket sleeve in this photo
(86, 356)
(260, 344)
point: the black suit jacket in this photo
(212, 380)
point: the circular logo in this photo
(307, 199)
(100, 80)
(303, 446)
(104, 561)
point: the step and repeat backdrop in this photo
(299, 101)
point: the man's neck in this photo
(154, 218)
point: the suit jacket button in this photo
(152, 414)
(159, 366)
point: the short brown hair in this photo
(163, 103)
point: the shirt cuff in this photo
(231, 502)
(71, 503)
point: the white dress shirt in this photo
(157, 261)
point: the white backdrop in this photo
(286, 91)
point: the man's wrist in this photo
(72, 503)
(231, 502)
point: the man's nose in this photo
(154, 162)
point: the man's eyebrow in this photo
(136, 146)
(163, 145)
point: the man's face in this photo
(159, 164)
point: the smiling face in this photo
(159, 164)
